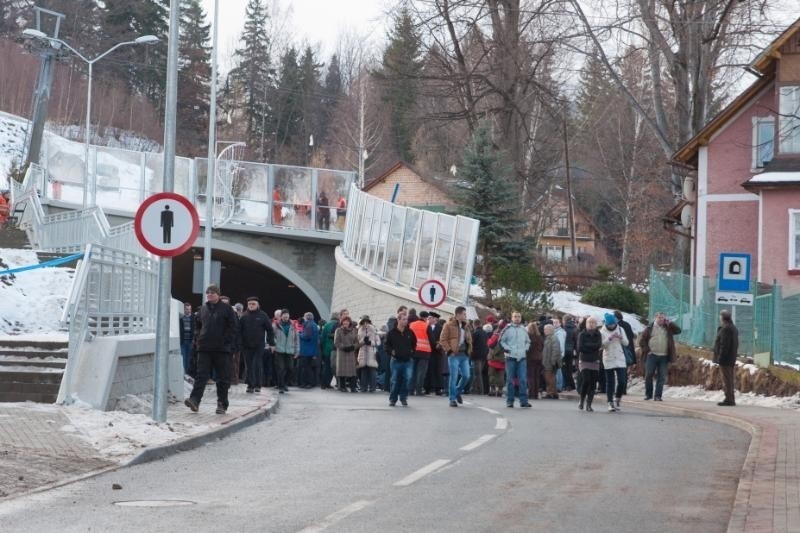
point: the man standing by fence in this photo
(726, 347)
(658, 350)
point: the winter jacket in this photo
(480, 348)
(726, 345)
(589, 344)
(497, 356)
(327, 337)
(309, 339)
(551, 353)
(571, 341)
(515, 341)
(346, 342)
(561, 334)
(254, 327)
(186, 327)
(450, 337)
(534, 354)
(367, 353)
(672, 330)
(215, 328)
(286, 342)
(401, 344)
(613, 342)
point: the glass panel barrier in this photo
(394, 242)
(250, 194)
(444, 241)
(291, 197)
(119, 179)
(332, 189)
(64, 161)
(409, 246)
(425, 247)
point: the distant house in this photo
(555, 243)
(414, 189)
(747, 163)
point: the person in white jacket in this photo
(614, 360)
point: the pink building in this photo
(747, 160)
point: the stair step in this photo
(29, 375)
(32, 362)
(38, 388)
(34, 354)
(27, 345)
(36, 397)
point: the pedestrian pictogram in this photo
(432, 293)
(166, 224)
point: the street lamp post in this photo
(144, 39)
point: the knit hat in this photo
(487, 328)
(610, 319)
(490, 319)
(424, 314)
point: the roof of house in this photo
(762, 64)
(437, 183)
(767, 180)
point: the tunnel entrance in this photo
(241, 277)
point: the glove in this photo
(367, 341)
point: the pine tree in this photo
(488, 194)
(194, 83)
(312, 101)
(253, 76)
(144, 66)
(288, 101)
(400, 69)
(331, 93)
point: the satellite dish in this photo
(688, 188)
(686, 216)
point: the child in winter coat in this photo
(497, 362)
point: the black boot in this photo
(589, 405)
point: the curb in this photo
(744, 491)
(195, 441)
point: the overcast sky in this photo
(312, 21)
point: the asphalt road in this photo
(348, 462)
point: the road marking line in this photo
(502, 423)
(480, 442)
(422, 472)
(490, 411)
(338, 516)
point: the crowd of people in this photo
(421, 354)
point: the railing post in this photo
(143, 177)
(314, 185)
(775, 349)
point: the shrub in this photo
(613, 296)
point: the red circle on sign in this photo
(434, 304)
(166, 252)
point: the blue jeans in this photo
(516, 368)
(186, 354)
(401, 379)
(458, 364)
(652, 363)
(611, 374)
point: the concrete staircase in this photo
(31, 371)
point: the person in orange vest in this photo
(341, 211)
(422, 352)
(277, 206)
(5, 207)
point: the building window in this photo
(794, 239)
(562, 226)
(763, 141)
(554, 253)
(790, 120)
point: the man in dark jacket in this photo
(570, 345)
(215, 339)
(186, 328)
(658, 350)
(480, 351)
(254, 326)
(726, 348)
(400, 344)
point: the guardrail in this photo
(407, 246)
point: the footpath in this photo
(44, 446)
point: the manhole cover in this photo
(155, 503)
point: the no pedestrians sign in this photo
(166, 224)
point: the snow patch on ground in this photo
(12, 143)
(31, 305)
(697, 392)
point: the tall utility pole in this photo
(41, 95)
(165, 264)
(212, 155)
(361, 148)
(572, 238)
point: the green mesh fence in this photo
(765, 327)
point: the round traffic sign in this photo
(432, 293)
(166, 224)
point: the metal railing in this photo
(254, 194)
(407, 246)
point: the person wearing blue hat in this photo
(614, 341)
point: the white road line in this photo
(502, 423)
(339, 515)
(422, 472)
(480, 442)
(490, 411)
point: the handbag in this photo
(630, 356)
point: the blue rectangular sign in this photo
(734, 272)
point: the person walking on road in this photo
(346, 341)
(255, 326)
(614, 343)
(287, 346)
(456, 341)
(400, 345)
(308, 353)
(215, 336)
(658, 348)
(551, 360)
(589, 344)
(515, 343)
(367, 360)
(726, 348)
